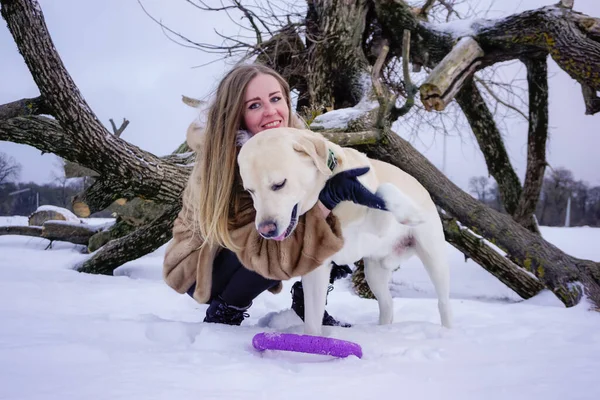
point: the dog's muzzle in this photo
(268, 229)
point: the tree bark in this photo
(557, 31)
(524, 283)
(24, 107)
(335, 59)
(537, 79)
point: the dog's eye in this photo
(278, 186)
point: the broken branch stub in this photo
(447, 77)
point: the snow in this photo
(340, 118)
(463, 27)
(69, 216)
(67, 335)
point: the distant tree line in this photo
(20, 198)
(23, 198)
(559, 184)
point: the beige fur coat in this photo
(314, 240)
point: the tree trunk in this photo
(335, 59)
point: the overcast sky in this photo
(125, 67)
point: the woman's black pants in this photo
(236, 285)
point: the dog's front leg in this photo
(315, 285)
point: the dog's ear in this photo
(194, 136)
(316, 148)
(195, 132)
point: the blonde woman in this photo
(216, 254)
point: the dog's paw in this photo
(413, 220)
(390, 194)
(400, 205)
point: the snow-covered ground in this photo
(67, 335)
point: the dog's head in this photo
(284, 169)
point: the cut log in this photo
(67, 232)
(52, 213)
(448, 76)
(35, 231)
(55, 230)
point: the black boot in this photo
(222, 313)
(298, 306)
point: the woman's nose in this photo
(268, 109)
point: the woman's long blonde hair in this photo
(214, 185)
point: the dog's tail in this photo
(404, 209)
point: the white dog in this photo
(286, 168)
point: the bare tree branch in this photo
(24, 107)
(410, 89)
(118, 131)
(488, 89)
(537, 77)
(491, 144)
(591, 99)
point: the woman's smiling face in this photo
(265, 106)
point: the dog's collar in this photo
(332, 161)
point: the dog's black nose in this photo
(267, 229)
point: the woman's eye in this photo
(275, 99)
(254, 106)
(278, 186)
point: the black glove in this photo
(338, 272)
(345, 186)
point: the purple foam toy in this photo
(306, 344)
